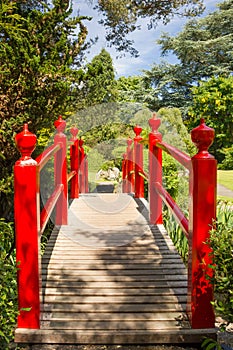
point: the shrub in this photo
(8, 284)
(221, 241)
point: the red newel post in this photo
(81, 167)
(202, 214)
(74, 163)
(130, 176)
(27, 223)
(60, 171)
(155, 171)
(138, 163)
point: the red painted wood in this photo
(138, 163)
(60, 172)
(155, 171)
(74, 163)
(27, 226)
(180, 156)
(124, 173)
(86, 174)
(177, 212)
(81, 167)
(130, 176)
(202, 214)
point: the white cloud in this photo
(145, 40)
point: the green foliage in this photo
(227, 163)
(8, 287)
(120, 17)
(213, 100)
(174, 131)
(40, 51)
(97, 82)
(177, 235)
(209, 344)
(221, 241)
(204, 49)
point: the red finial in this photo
(137, 129)
(25, 142)
(203, 137)
(74, 131)
(60, 124)
(154, 123)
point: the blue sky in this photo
(145, 40)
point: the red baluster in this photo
(60, 171)
(124, 173)
(27, 226)
(138, 163)
(155, 171)
(130, 176)
(202, 214)
(86, 174)
(81, 167)
(74, 163)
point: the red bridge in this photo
(110, 274)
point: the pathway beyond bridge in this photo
(111, 278)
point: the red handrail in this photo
(202, 210)
(29, 222)
(181, 218)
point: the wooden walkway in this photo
(110, 278)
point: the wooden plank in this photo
(118, 316)
(116, 285)
(114, 325)
(171, 336)
(113, 292)
(153, 308)
(72, 299)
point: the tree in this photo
(204, 48)
(120, 17)
(97, 81)
(40, 50)
(213, 100)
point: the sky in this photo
(145, 40)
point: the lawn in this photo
(225, 178)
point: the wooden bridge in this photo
(109, 274)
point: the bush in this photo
(227, 163)
(8, 284)
(221, 241)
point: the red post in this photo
(202, 214)
(138, 163)
(27, 226)
(130, 176)
(124, 173)
(81, 167)
(60, 171)
(155, 172)
(74, 163)
(86, 174)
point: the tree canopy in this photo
(120, 17)
(204, 48)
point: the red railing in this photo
(202, 209)
(29, 222)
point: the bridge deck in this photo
(110, 278)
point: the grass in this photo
(225, 178)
